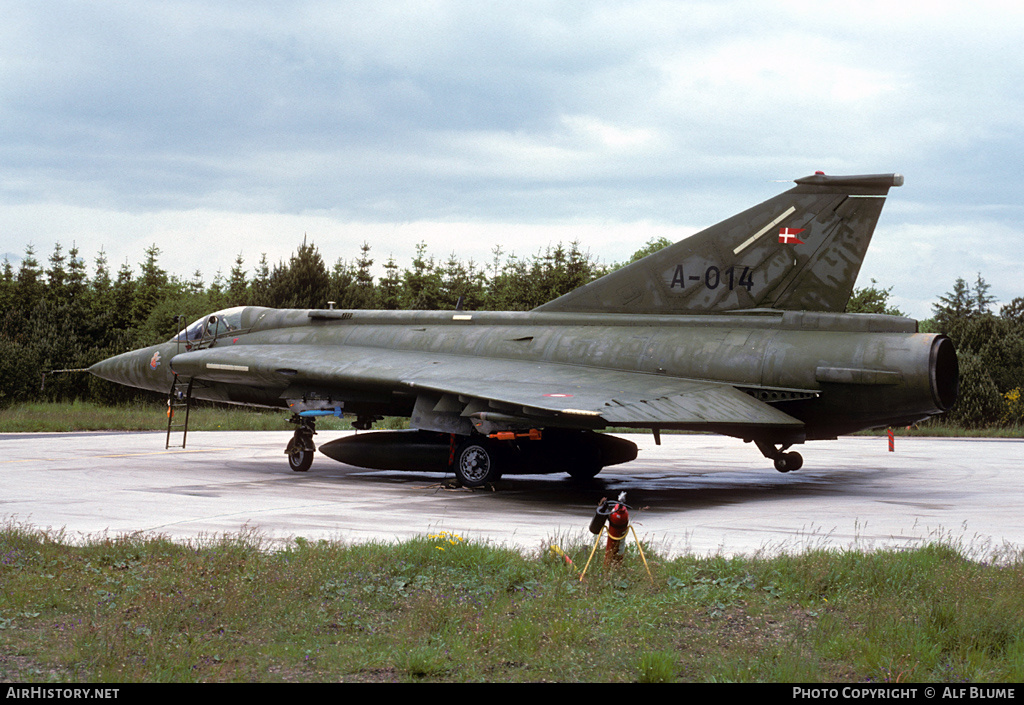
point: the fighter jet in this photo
(738, 330)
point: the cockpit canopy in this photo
(212, 326)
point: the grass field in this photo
(86, 416)
(441, 609)
(40, 417)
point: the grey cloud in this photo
(534, 113)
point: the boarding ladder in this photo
(179, 400)
(180, 397)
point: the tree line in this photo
(65, 314)
(990, 348)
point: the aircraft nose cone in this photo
(116, 369)
(146, 368)
(104, 369)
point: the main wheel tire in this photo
(476, 464)
(300, 460)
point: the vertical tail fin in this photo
(801, 250)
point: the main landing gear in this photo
(300, 448)
(784, 462)
(476, 462)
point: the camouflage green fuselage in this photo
(836, 373)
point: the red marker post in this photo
(892, 442)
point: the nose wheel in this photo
(299, 459)
(301, 448)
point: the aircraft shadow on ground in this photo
(661, 491)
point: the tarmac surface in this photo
(692, 494)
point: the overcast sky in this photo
(215, 128)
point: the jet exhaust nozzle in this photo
(944, 373)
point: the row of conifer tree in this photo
(66, 314)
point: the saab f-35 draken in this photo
(738, 330)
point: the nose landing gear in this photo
(301, 448)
